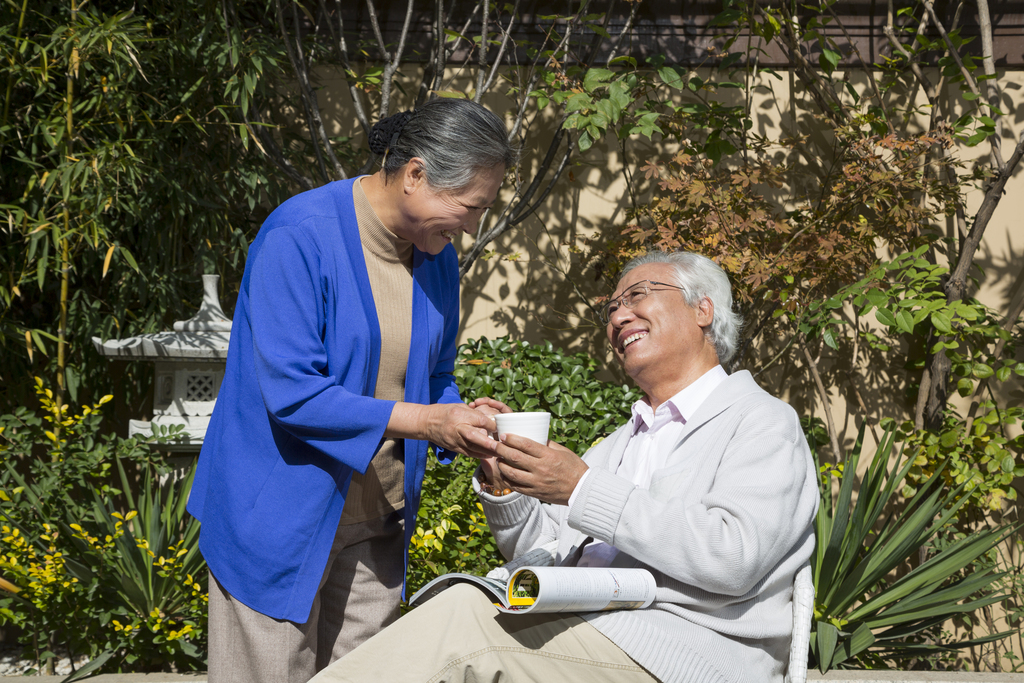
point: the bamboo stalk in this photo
(10, 79)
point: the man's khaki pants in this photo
(358, 596)
(459, 636)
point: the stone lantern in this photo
(189, 364)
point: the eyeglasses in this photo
(631, 297)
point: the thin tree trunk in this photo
(956, 286)
(826, 406)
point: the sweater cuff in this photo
(599, 503)
(502, 510)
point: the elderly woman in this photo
(339, 373)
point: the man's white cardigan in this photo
(724, 527)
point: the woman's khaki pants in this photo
(358, 596)
(459, 636)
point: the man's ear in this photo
(705, 312)
(414, 177)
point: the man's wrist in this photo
(494, 490)
(576, 490)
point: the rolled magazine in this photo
(555, 589)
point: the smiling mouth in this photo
(632, 338)
(448, 235)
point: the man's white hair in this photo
(700, 277)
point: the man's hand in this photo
(548, 473)
(489, 465)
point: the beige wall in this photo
(530, 298)
(531, 287)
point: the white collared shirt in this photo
(654, 433)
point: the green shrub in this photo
(540, 377)
(88, 565)
(451, 532)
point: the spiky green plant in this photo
(865, 605)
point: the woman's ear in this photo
(414, 176)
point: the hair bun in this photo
(386, 132)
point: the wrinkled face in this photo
(661, 339)
(435, 218)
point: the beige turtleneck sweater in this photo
(389, 265)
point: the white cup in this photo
(531, 425)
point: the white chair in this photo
(803, 612)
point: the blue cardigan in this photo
(296, 416)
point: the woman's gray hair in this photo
(455, 138)
(699, 277)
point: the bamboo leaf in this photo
(130, 259)
(106, 260)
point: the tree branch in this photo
(433, 72)
(982, 218)
(310, 95)
(266, 142)
(813, 367)
(968, 78)
(991, 84)
(520, 210)
(634, 7)
(338, 41)
(806, 72)
(915, 66)
(300, 72)
(1011, 320)
(864, 66)
(273, 150)
(535, 76)
(393, 61)
(485, 19)
(506, 37)
(956, 286)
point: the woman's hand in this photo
(490, 406)
(444, 424)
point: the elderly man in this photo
(710, 486)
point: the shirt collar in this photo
(680, 407)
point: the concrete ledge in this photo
(915, 677)
(198, 677)
(836, 676)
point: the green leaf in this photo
(596, 78)
(73, 380)
(585, 141)
(941, 322)
(829, 338)
(90, 668)
(905, 321)
(579, 102)
(671, 77)
(861, 639)
(982, 370)
(828, 61)
(726, 17)
(885, 316)
(130, 259)
(827, 636)
(716, 149)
